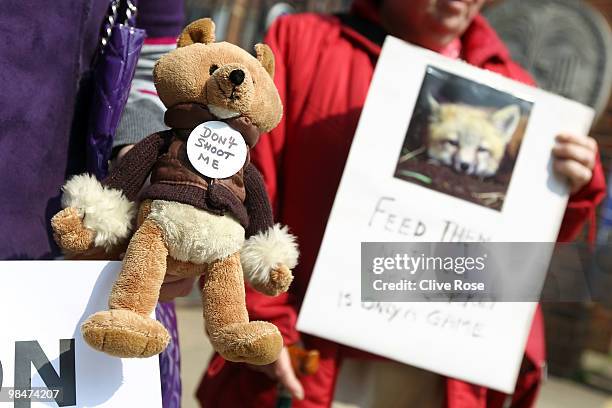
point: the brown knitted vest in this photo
(173, 177)
(174, 168)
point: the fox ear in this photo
(200, 31)
(265, 58)
(434, 105)
(507, 120)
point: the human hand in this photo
(175, 289)
(179, 279)
(122, 152)
(574, 157)
(282, 371)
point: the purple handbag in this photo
(113, 73)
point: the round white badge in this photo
(216, 150)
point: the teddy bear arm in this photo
(257, 202)
(270, 251)
(103, 212)
(131, 173)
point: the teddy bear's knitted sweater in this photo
(163, 156)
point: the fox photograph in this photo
(463, 139)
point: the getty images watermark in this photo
(506, 272)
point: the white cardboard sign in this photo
(43, 304)
(382, 199)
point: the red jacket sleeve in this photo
(582, 205)
(267, 154)
(267, 157)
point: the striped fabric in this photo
(144, 112)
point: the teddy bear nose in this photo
(237, 76)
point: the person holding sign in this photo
(44, 142)
(324, 68)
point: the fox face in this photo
(469, 139)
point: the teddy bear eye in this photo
(213, 68)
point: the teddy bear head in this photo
(224, 78)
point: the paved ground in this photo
(195, 352)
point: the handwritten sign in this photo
(44, 360)
(395, 188)
(216, 150)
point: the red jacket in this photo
(323, 71)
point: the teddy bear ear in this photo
(265, 57)
(200, 31)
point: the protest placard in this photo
(444, 152)
(44, 360)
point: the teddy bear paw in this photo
(280, 279)
(257, 343)
(123, 333)
(69, 231)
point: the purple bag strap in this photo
(124, 10)
(130, 12)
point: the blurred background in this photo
(567, 47)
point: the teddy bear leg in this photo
(227, 319)
(126, 330)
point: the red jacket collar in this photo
(480, 43)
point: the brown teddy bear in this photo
(188, 223)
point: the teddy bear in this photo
(188, 223)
